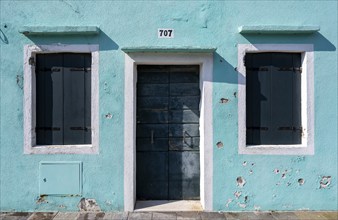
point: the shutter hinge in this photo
(292, 128)
(298, 69)
(31, 61)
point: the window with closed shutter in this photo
(63, 99)
(273, 98)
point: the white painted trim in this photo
(307, 100)
(205, 60)
(30, 93)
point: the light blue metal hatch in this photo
(60, 178)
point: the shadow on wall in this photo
(317, 39)
(226, 73)
(3, 37)
(104, 41)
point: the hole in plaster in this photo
(224, 100)
(276, 171)
(245, 163)
(325, 182)
(41, 199)
(241, 205)
(109, 116)
(284, 174)
(228, 203)
(5, 26)
(219, 144)
(257, 208)
(240, 181)
(251, 172)
(301, 181)
(238, 194)
(235, 94)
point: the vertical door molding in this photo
(205, 60)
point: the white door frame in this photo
(205, 60)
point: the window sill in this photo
(62, 149)
(297, 149)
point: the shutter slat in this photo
(297, 118)
(87, 98)
(74, 92)
(53, 99)
(40, 99)
(281, 99)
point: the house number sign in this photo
(165, 33)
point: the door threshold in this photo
(168, 206)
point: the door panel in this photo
(184, 89)
(184, 175)
(152, 116)
(152, 90)
(152, 175)
(152, 103)
(184, 130)
(153, 76)
(152, 130)
(189, 75)
(155, 144)
(184, 116)
(184, 102)
(184, 144)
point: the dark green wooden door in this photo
(167, 136)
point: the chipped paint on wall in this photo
(88, 205)
(325, 182)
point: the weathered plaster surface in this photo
(272, 182)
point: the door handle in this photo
(152, 137)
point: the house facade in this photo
(231, 104)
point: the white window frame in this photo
(205, 60)
(29, 102)
(307, 100)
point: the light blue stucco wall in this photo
(196, 23)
